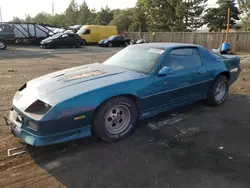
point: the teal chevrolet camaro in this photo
(106, 99)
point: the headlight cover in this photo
(38, 109)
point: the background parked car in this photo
(57, 31)
(95, 33)
(7, 35)
(138, 41)
(62, 39)
(115, 41)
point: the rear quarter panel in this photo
(213, 65)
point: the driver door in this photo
(176, 87)
(63, 40)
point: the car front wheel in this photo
(110, 45)
(115, 119)
(3, 44)
(218, 92)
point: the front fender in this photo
(89, 102)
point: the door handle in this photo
(201, 72)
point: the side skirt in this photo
(152, 112)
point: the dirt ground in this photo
(194, 146)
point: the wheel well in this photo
(130, 96)
(226, 74)
(3, 39)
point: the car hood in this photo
(47, 40)
(78, 80)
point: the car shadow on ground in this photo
(24, 51)
(203, 146)
(23, 54)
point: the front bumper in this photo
(103, 44)
(44, 45)
(36, 140)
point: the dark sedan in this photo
(115, 41)
(62, 40)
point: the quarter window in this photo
(184, 58)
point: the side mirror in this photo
(63, 36)
(165, 71)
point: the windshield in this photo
(55, 36)
(137, 58)
(111, 38)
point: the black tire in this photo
(3, 44)
(78, 45)
(84, 42)
(211, 99)
(126, 44)
(110, 45)
(99, 127)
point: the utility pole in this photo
(1, 18)
(186, 16)
(53, 10)
(228, 23)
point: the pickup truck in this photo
(7, 35)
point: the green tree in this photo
(162, 15)
(104, 17)
(72, 13)
(123, 19)
(192, 11)
(42, 18)
(28, 19)
(245, 8)
(59, 20)
(84, 14)
(139, 17)
(216, 18)
(17, 19)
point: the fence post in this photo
(193, 37)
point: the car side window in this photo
(71, 35)
(184, 58)
(119, 38)
(65, 36)
(87, 31)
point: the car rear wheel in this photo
(110, 45)
(115, 119)
(126, 44)
(3, 44)
(78, 45)
(218, 92)
(84, 42)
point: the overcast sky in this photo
(21, 8)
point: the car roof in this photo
(167, 45)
